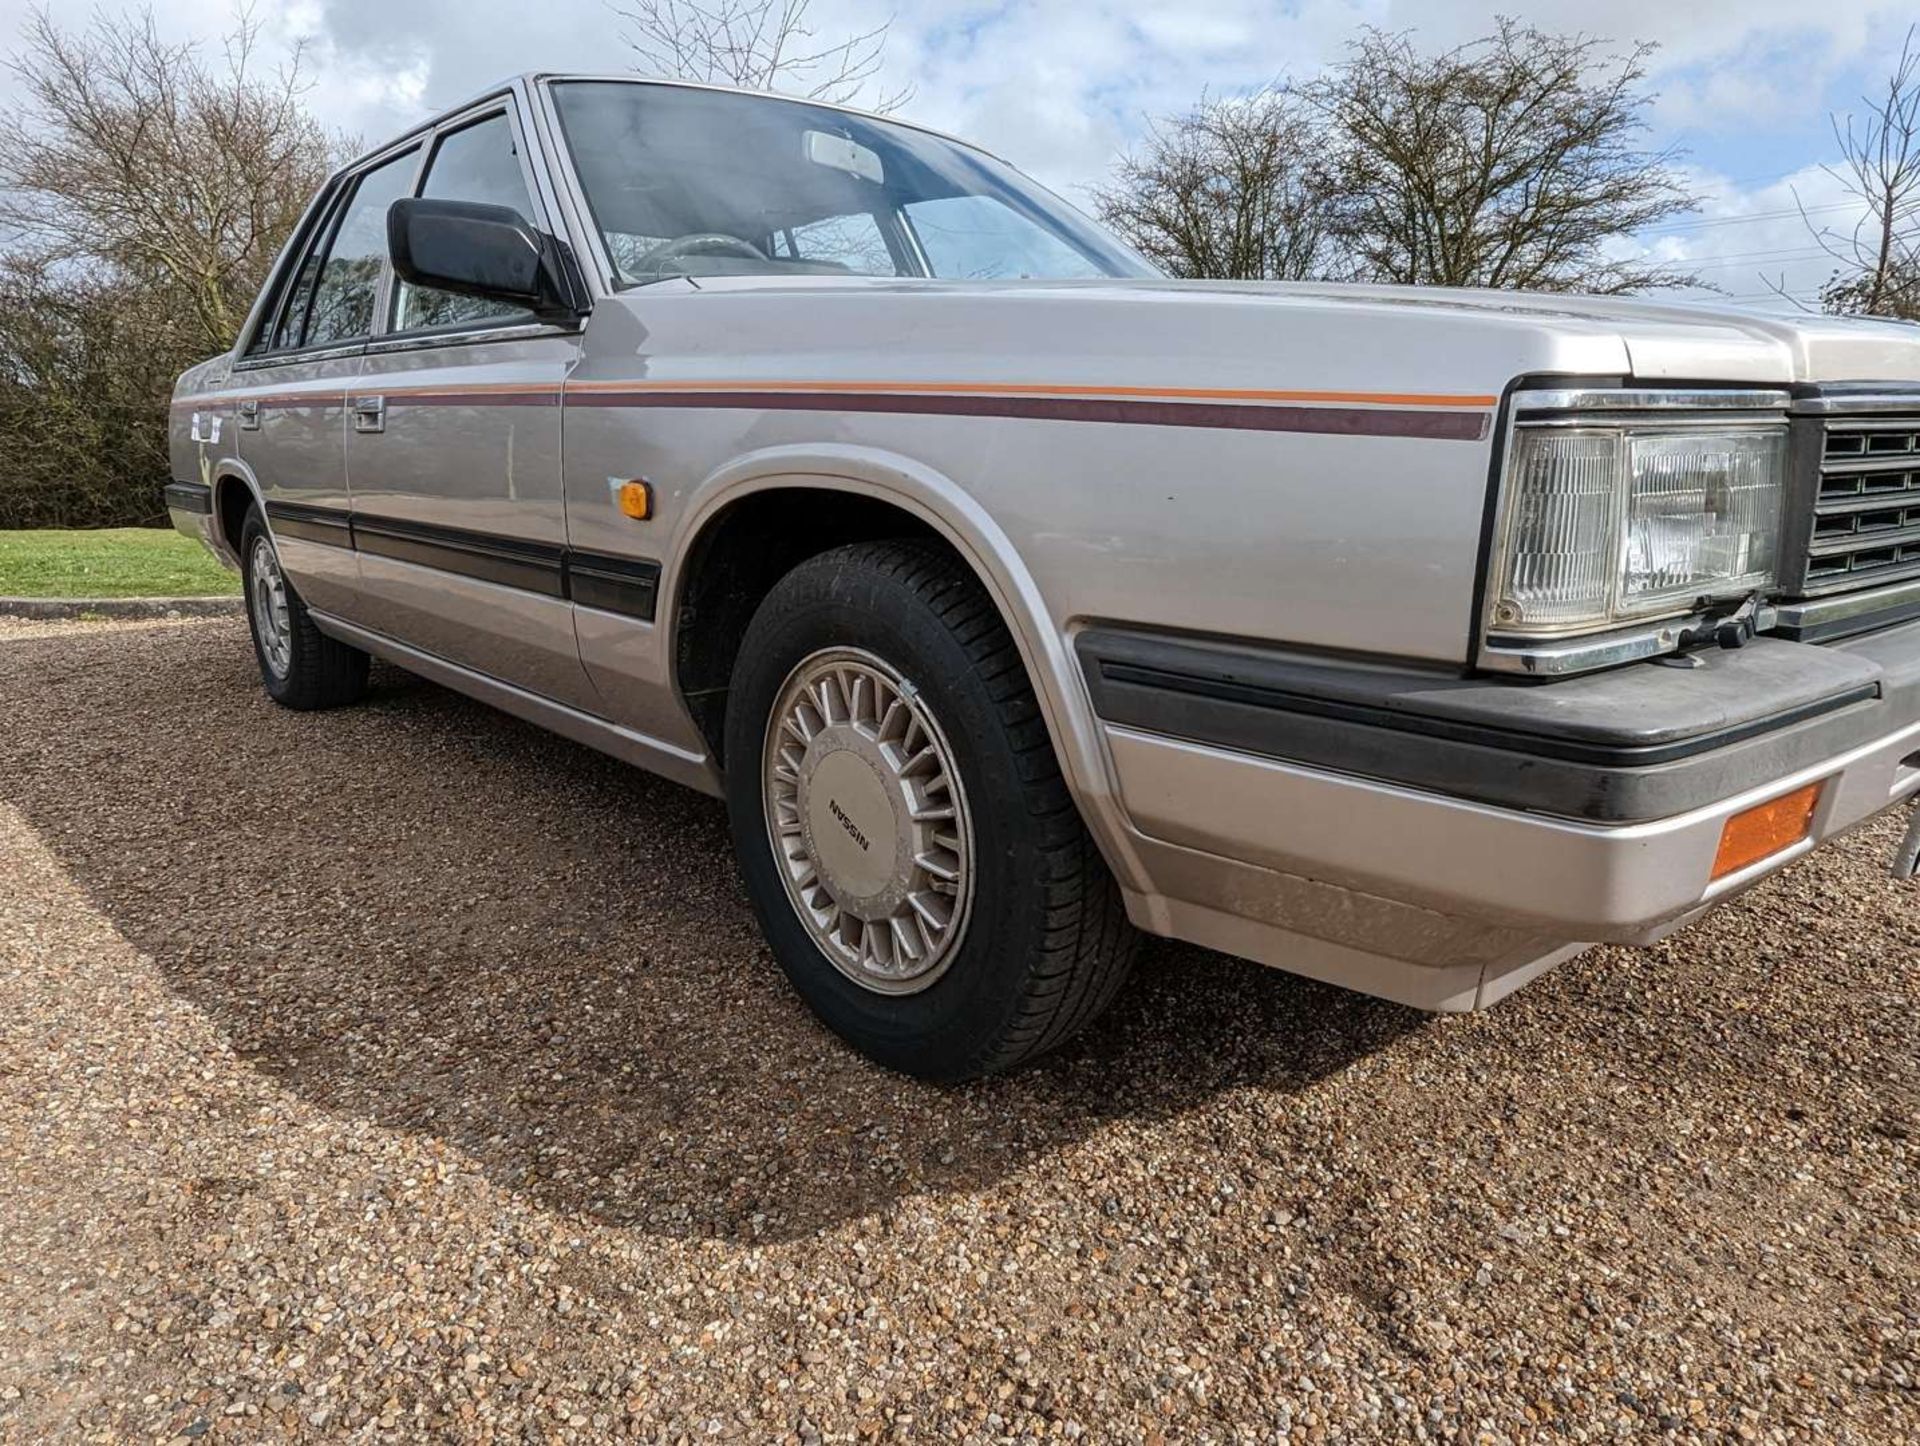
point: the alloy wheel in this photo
(868, 819)
(267, 600)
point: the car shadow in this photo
(434, 917)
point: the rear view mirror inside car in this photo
(842, 154)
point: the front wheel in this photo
(300, 666)
(901, 823)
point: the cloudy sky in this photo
(1060, 87)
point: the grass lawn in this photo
(109, 562)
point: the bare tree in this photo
(1509, 162)
(128, 152)
(144, 192)
(1879, 258)
(1236, 188)
(757, 45)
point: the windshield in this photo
(686, 182)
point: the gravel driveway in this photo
(403, 1073)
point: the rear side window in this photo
(480, 162)
(286, 318)
(348, 281)
(293, 319)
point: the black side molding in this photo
(511, 562)
(613, 584)
(624, 585)
(195, 497)
(1641, 742)
(328, 526)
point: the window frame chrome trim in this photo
(334, 352)
(470, 335)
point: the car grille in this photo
(1866, 507)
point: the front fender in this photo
(952, 512)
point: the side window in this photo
(280, 327)
(850, 243)
(349, 280)
(292, 321)
(481, 163)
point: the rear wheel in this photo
(300, 666)
(905, 835)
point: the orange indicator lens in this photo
(1763, 831)
(636, 500)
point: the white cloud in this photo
(1763, 243)
(1061, 84)
(1688, 33)
(1062, 88)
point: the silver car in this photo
(1016, 598)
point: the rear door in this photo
(453, 449)
(289, 412)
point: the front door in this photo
(453, 453)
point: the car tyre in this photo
(301, 667)
(880, 676)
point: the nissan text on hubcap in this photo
(267, 594)
(868, 820)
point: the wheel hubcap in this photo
(267, 599)
(868, 820)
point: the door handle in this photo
(249, 412)
(369, 414)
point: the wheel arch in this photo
(235, 489)
(934, 505)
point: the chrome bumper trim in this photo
(1824, 612)
(1557, 657)
(1840, 404)
(1616, 399)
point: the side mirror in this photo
(476, 250)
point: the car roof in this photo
(531, 79)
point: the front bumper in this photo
(1509, 849)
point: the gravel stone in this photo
(404, 1073)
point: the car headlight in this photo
(1611, 520)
